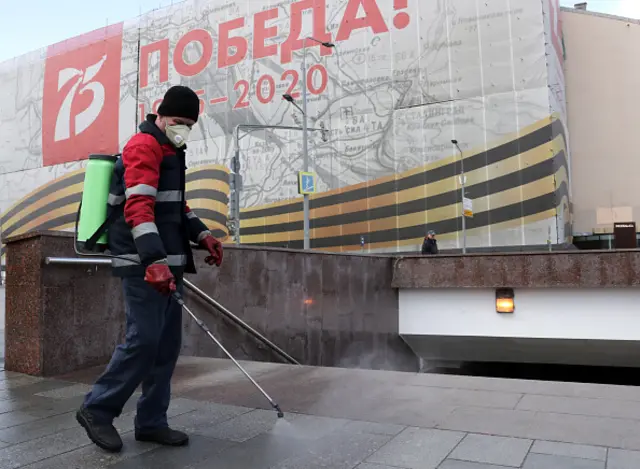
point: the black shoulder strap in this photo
(113, 216)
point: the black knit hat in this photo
(180, 101)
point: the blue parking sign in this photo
(306, 183)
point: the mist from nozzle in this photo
(334, 395)
(398, 357)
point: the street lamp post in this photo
(462, 182)
(305, 138)
(305, 144)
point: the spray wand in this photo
(178, 298)
(206, 329)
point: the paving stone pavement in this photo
(334, 418)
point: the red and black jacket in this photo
(148, 186)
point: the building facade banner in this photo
(405, 78)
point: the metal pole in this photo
(204, 327)
(236, 194)
(305, 143)
(76, 261)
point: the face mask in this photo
(178, 134)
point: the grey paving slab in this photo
(74, 390)
(47, 407)
(8, 374)
(357, 426)
(38, 428)
(546, 461)
(623, 459)
(18, 381)
(199, 449)
(502, 451)
(405, 413)
(338, 451)
(490, 421)
(597, 453)
(38, 408)
(31, 451)
(368, 465)
(262, 451)
(581, 406)
(177, 407)
(90, 457)
(11, 405)
(567, 428)
(454, 464)
(18, 417)
(457, 397)
(32, 389)
(246, 426)
(206, 415)
(418, 448)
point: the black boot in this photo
(164, 436)
(104, 435)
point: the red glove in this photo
(159, 276)
(214, 247)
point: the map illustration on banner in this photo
(392, 82)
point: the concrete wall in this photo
(603, 96)
(323, 309)
(541, 313)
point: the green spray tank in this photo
(92, 220)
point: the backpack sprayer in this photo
(91, 235)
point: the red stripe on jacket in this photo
(142, 157)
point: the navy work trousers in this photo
(148, 357)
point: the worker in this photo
(430, 244)
(154, 231)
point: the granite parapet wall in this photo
(322, 309)
(571, 269)
(58, 318)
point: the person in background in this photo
(430, 245)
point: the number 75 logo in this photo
(85, 118)
(80, 110)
